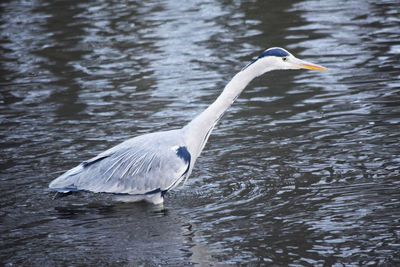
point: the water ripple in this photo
(302, 170)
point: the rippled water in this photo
(303, 170)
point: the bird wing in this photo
(145, 164)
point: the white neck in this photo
(198, 130)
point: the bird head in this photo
(277, 58)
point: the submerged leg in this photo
(155, 198)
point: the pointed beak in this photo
(302, 64)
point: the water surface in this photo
(303, 169)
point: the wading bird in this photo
(147, 166)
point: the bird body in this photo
(147, 166)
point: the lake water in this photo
(303, 170)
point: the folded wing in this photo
(141, 165)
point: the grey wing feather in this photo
(137, 166)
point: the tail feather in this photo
(66, 180)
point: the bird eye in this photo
(284, 58)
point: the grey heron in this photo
(147, 166)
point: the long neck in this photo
(198, 130)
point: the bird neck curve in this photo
(198, 130)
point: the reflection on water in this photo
(303, 169)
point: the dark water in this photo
(303, 170)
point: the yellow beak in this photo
(311, 66)
(302, 64)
